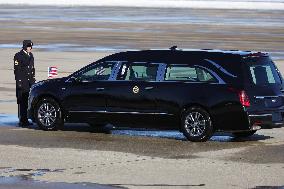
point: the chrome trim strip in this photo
(87, 111)
(220, 67)
(262, 97)
(192, 82)
(150, 113)
(259, 115)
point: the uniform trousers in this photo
(23, 107)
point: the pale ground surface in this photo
(235, 167)
(114, 168)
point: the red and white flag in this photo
(52, 72)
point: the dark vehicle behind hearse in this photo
(197, 92)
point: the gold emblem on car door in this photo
(135, 89)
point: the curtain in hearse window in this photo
(181, 72)
(141, 71)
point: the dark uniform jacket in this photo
(24, 71)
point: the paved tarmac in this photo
(77, 157)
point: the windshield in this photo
(263, 71)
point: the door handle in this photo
(149, 88)
(100, 89)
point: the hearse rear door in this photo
(131, 98)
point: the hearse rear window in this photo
(177, 72)
(263, 71)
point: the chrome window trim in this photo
(259, 115)
(219, 67)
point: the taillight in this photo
(244, 99)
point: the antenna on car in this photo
(173, 48)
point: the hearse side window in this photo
(140, 71)
(97, 72)
(181, 72)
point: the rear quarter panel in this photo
(222, 104)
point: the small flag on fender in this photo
(52, 72)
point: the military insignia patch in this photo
(16, 62)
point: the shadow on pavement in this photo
(12, 120)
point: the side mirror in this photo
(74, 80)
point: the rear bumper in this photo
(267, 120)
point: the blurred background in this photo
(114, 25)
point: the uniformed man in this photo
(25, 77)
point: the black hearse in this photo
(197, 92)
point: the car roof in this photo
(165, 55)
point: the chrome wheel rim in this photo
(47, 114)
(195, 124)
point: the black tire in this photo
(48, 115)
(244, 134)
(196, 124)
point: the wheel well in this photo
(186, 107)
